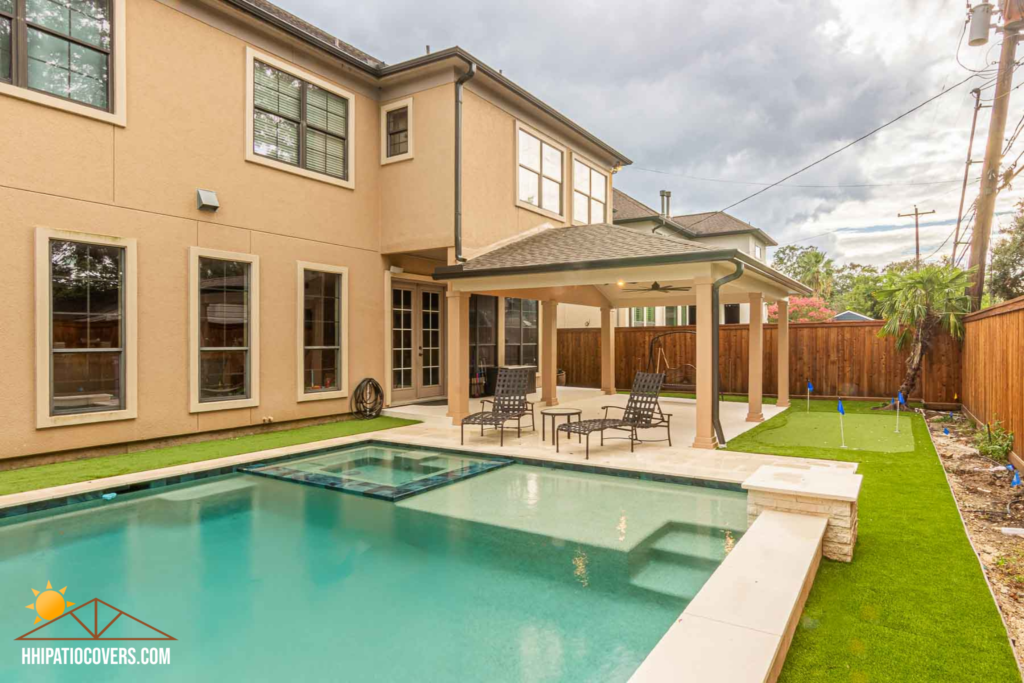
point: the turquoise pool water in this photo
(519, 574)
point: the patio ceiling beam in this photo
(585, 295)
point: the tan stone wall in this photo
(841, 532)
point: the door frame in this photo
(417, 283)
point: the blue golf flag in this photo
(945, 430)
(902, 400)
(810, 387)
(841, 411)
(1016, 479)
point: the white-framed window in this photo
(86, 328)
(66, 55)
(757, 251)
(540, 170)
(224, 330)
(642, 317)
(589, 192)
(396, 131)
(298, 122)
(322, 339)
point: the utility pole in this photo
(985, 210)
(967, 170)
(917, 232)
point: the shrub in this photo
(993, 441)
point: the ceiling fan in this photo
(655, 287)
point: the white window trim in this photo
(391, 106)
(118, 72)
(130, 321)
(515, 168)
(300, 339)
(195, 406)
(572, 187)
(251, 57)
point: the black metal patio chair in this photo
(509, 404)
(642, 411)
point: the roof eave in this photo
(667, 223)
(457, 272)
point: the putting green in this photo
(866, 432)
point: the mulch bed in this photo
(988, 502)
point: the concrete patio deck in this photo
(659, 458)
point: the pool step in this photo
(705, 542)
(679, 576)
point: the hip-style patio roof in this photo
(611, 266)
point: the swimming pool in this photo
(520, 574)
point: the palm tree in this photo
(916, 304)
(817, 271)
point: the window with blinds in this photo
(64, 48)
(298, 123)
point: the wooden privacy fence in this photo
(993, 367)
(846, 359)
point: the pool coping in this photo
(39, 500)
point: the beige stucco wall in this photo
(186, 130)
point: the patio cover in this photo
(595, 265)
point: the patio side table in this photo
(554, 414)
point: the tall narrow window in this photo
(398, 131)
(589, 193)
(224, 308)
(298, 123)
(521, 331)
(672, 316)
(6, 55)
(321, 331)
(540, 173)
(87, 360)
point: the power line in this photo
(751, 182)
(841, 149)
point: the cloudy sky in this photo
(740, 92)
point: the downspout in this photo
(715, 418)
(459, 258)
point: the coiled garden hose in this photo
(368, 399)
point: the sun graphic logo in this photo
(49, 603)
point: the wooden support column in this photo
(783, 354)
(705, 394)
(755, 360)
(549, 352)
(458, 356)
(607, 351)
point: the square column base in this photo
(755, 417)
(782, 403)
(710, 443)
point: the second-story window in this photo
(298, 123)
(540, 173)
(588, 194)
(64, 49)
(398, 132)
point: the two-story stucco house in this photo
(218, 217)
(717, 230)
(333, 185)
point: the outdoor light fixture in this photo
(621, 283)
(206, 200)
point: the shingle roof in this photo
(313, 32)
(580, 244)
(712, 223)
(626, 208)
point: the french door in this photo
(417, 342)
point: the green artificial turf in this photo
(767, 400)
(44, 476)
(817, 429)
(913, 605)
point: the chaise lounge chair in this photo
(642, 411)
(509, 403)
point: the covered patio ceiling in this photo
(603, 265)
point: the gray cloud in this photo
(715, 89)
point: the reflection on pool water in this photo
(519, 574)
